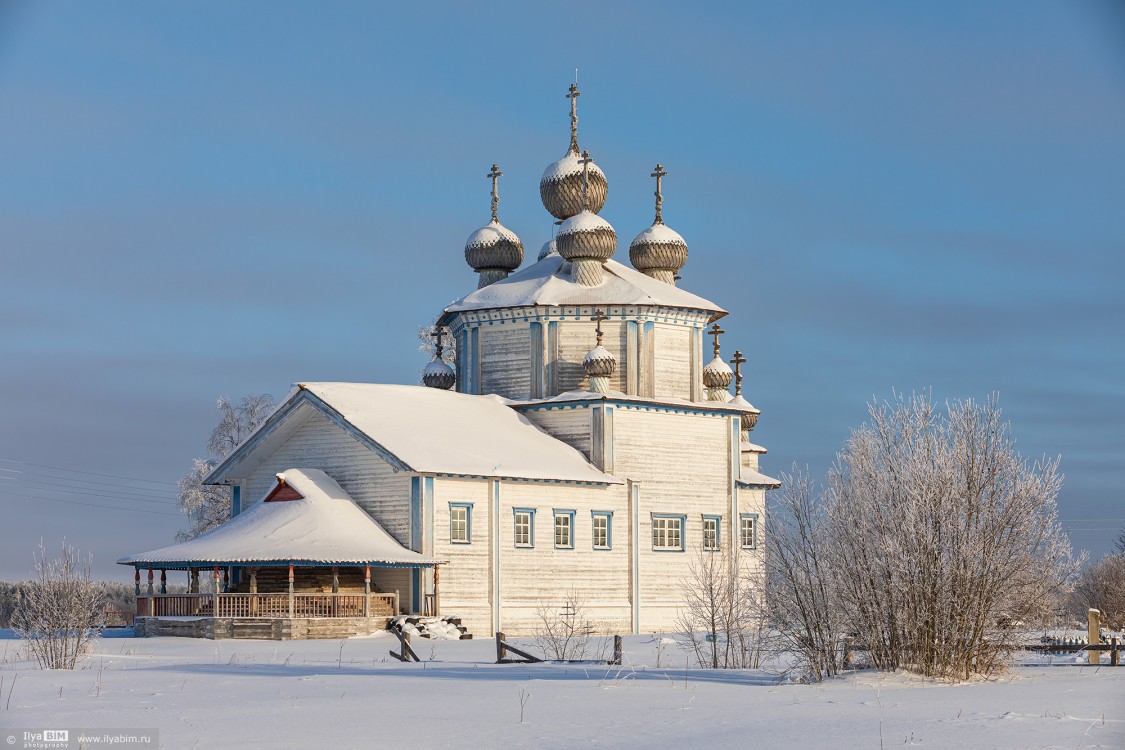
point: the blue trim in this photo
(754, 542)
(416, 591)
(568, 513)
(235, 500)
(718, 533)
(535, 331)
(635, 544)
(474, 358)
(416, 514)
(428, 515)
(468, 523)
(683, 528)
(530, 528)
(608, 516)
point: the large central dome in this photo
(561, 184)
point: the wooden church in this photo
(590, 444)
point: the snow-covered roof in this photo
(752, 447)
(434, 431)
(619, 397)
(751, 478)
(549, 282)
(325, 526)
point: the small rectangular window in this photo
(668, 533)
(564, 529)
(460, 523)
(711, 533)
(748, 531)
(524, 529)
(601, 531)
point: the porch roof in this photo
(321, 526)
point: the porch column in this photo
(335, 589)
(226, 580)
(151, 603)
(215, 596)
(193, 583)
(437, 598)
(290, 592)
(254, 591)
(137, 582)
(366, 590)
(163, 582)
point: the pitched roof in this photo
(323, 526)
(433, 431)
(548, 282)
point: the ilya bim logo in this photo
(42, 738)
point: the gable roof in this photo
(322, 526)
(549, 283)
(431, 431)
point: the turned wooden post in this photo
(151, 603)
(163, 582)
(437, 598)
(215, 596)
(290, 592)
(137, 582)
(1094, 635)
(194, 584)
(254, 591)
(226, 580)
(397, 607)
(366, 590)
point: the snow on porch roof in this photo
(325, 526)
(549, 282)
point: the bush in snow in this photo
(934, 542)
(59, 610)
(722, 616)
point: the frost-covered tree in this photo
(208, 506)
(934, 543)
(427, 346)
(58, 612)
(1102, 586)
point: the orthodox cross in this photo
(585, 162)
(573, 96)
(659, 198)
(737, 361)
(715, 331)
(437, 334)
(598, 317)
(494, 174)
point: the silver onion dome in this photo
(717, 374)
(561, 187)
(659, 251)
(438, 374)
(587, 241)
(493, 251)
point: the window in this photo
(748, 530)
(460, 523)
(711, 533)
(564, 529)
(601, 532)
(668, 533)
(525, 527)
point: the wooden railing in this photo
(267, 605)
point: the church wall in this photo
(673, 361)
(505, 352)
(682, 466)
(576, 338)
(570, 425)
(464, 581)
(371, 482)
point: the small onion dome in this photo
(659, 252)
(717, 374)
(438, 374)
(749, 418)
(547, 249)
(493, 251)
(561, 187)
(599, 362)
(586, 240)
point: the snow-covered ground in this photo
(340, 694)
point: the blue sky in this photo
(214, 198)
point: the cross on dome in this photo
(494, 175)
(716, 331)
(585, 162)
(737, 360)
(598, 317)
(436, 335)
(573, 96)
(659, 198)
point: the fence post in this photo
(617, 650)
(397, 611)
(1114, 656)
(499, 647)
(405, 645)
(1094, 634)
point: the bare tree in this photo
(564, 633)
(1101, 586)
(723, 615)
(59, 610)
(208, 506)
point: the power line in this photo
(95, 494)
(10, 472)
(96, 505)
(92, 473)
(78, 491)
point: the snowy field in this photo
(343, 694)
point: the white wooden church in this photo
(589, 443)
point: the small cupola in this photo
(659, 251)
(599, 364)
(749, 417)
(493, 251)
(717, 373)
(438, 373)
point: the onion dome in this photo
(561, 186)
(438, 373)
(493, 251)
(749, 416)
(547, 249)
(659, 252)
(587, 241)
(717, 374)
(599, 364)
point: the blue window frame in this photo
(235, 500)
(564, 528)
(524, 527)
(712, 529)
(601, 523)
(748, 530)
(668, 532)
(461, 523)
